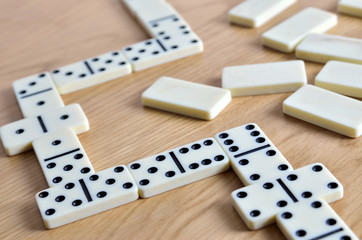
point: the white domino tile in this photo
(17, 137)
(254, 13)
(178, 167)
(264, 78)
(187, 98)
(326, 109)
(86, 196)
(323, 48)
(36, 94)
(341, 77)
(351, 7)
(92, 71)
(287, 35)
(62, 157)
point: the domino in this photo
(253, 157)
(62, 157)
(178, 167)
(326, 109)
(265, 78)
(258, 204)
(254, 13)
(36, 94)
(350, 7)
(86, 196)
(323, 48)
(341, 77)
(91, 71)
(187, 98)
(313, 219)
(137, 7)
(287, 35)
(17, 137)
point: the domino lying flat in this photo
(265, 78)
(86, 196)
(341, 77)
(187, 98)
(326, 109)
(323, 48)
(62, 157)
(254, 158)
(313, 219)
(258, 204)
(351, 7)
(178, 167)
(91, 71)
(288, 34)
(254, 13)
(36, 94)
(18, 136)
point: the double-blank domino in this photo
(254, 13)
(341, 77)
(265, 78)
(326, 109)
(351, 7)
(323, 48)
(286, 35)
(187, 98)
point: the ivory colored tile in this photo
(351, 7)
(288, 34)
(265, 78)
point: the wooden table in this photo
(41, 35)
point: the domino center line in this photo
(251, 151)
(161, 45)
(177, 162)
(62, 154)
(41, 122)
(327, 234)
(85, 190)
(88, 67)
(32, 94)
(287, 190)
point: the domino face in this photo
(62, 157)
(265, 78)
(178, 167)
(254, 158)
(86, 196)
(288, 34)
(313, 219)
(326, 109)
(323, 48)
(36, 94)
(258, 204)
(341, 77)
(351, 7)
(254, 13)
(91, 71)
(18, 136)
(187, 98)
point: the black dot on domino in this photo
(160, 158)
(243, 162)
(208, 142)
(282, 203)
(331, 221)
(283, 167)
(148, 42)
(184, 150)
(127, 185)
(196, 146)
(101, 194)
(115, 53)
(68, 73)
(155, 52)
(51, 165)
(161, 33)
(56, 71)
(109, 61)
(301, 233)
(166, 38)
(144, 182)
(255, 133)
(82, 75)
(101, 69)
(60, 198)
(69, 186)
(228, 142)
(56, 142)
(94, 177)
(332, 185)
(22, 92)
(122, 63)
(110, 181)
(19, 131)
(135, 166)
(194, 41)
(152, 170)
(50, 211)
(317, 168)
(260, 140)
(142, 50)
(32, 83)
(41, 75)
(57, 179)
(85, 170)
(219, 158)
(64, 117)
(287, 215)
(118, 169)
(346, 237)
(135, 59)
(254, 177)
(95, 59)
(170, 174)
(77, 202)
(292, 177)
(223, 135)
(43, 194)
(186, 32)
(155, 25)
(316, 204)
(128, 49)
(194, 166)
(268, 185)
(306, 194)
(255, 213)
(249, 127)
(271, 153)
(78, 156)
(67, 167)
(233, 149)
(40, 103)
(206, 162)
(174, 46)
(242, 194)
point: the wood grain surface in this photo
(41, 35)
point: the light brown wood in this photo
(41, 35)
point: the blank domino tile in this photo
(341, 77)
(313, 219)
(62, 157)
(178, 167)
(36, 94)
(258, 204)
(86, 196)
(286, 35)
(351, 7)
(265, 78)
(323, 48)
(254, 158)
(91, 71)
(17, 137)
(326, 109)
(254, 13)
(187, 98)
